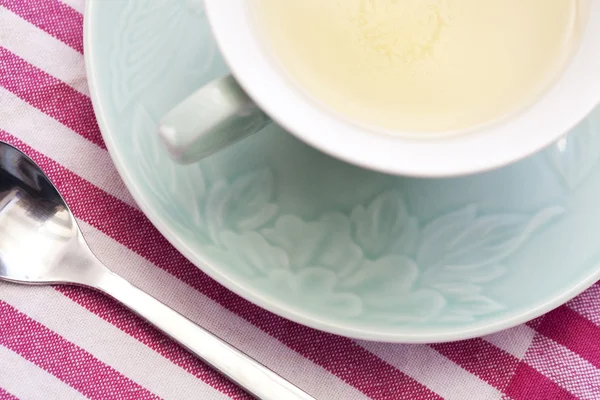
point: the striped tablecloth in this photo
(68, 343)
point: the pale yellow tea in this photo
(421, 65)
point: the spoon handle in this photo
(248, 373)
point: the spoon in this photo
(40, 243)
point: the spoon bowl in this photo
(38, 233)
(40, 243)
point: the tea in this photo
(421, 66)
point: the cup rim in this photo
(565, 104)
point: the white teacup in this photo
(229, 109)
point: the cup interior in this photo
(573, 95)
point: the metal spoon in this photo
(40, 243)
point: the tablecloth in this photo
(69, 343)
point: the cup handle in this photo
(212, 118)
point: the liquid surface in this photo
(421, 65)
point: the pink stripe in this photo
(123, 319)
(534, 323)
(529, 384)
(63, 359)
(502, 370)
(51, 16)
(340, 356)
(563, 367)
(4, 395)
(588, 304)
(49, 95)
(482, 359)
(573, 331)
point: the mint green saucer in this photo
(327, 244)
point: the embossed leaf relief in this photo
(204, 210)
(137, 44)
(462, 250)
(244, 204)
(377, 261)
(177, 188)
(575, 156)
(384, 224)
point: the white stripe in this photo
(551, 359)
(26, 380)
(564, 367)
(107, 343)
(587, 304)
(217, 319)
(433, 370)
(43, 50)
(61, 144)
(78, 5)
(514, 341)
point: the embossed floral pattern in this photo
(316, 288)
(140, 44)
(325, 242)
(242, 205)
(376, 260)
(384, 224)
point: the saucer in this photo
(329, 245)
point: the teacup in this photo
(235, 106)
